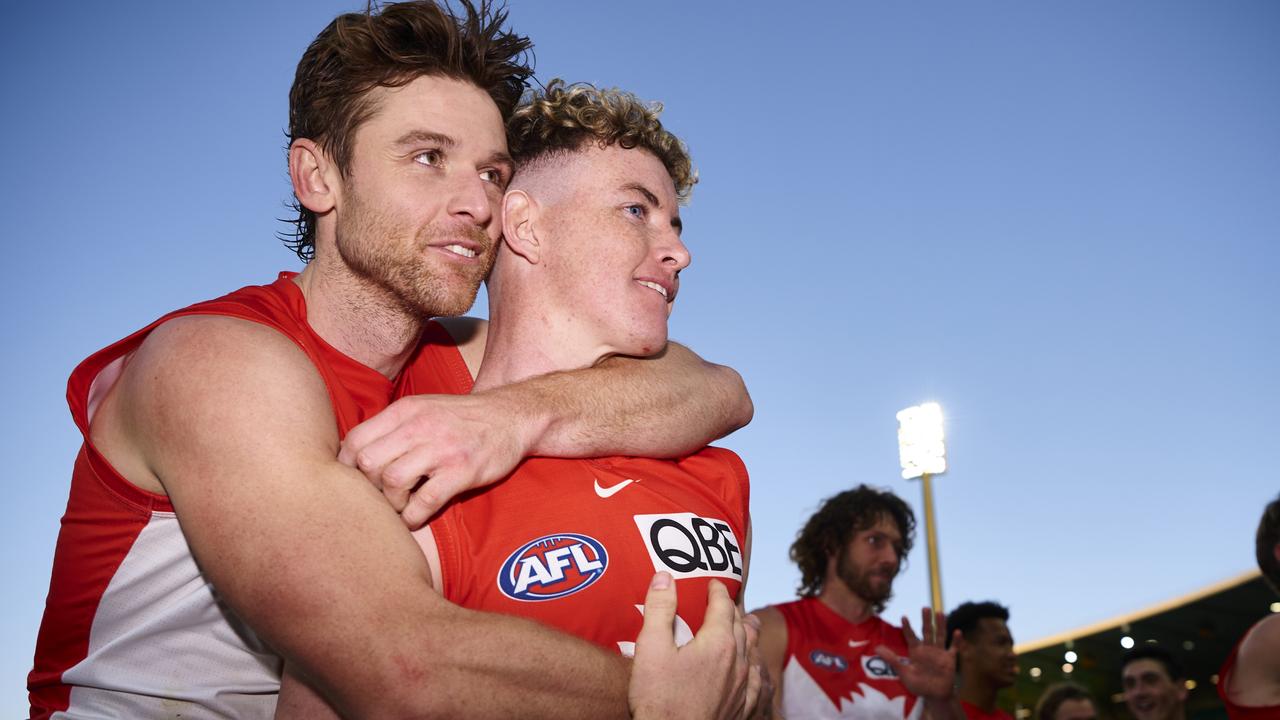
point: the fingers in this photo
(909, 633)
(429, 498)
(757, 676)
(659, 616)
(896, 661)
(739, 633)
(360, 437)
(721, 611)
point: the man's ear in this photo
(519, 213)
(315, 182)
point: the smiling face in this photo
(418, 211)
(613, 250)
(870, 561)
(1149, 691)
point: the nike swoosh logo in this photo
(858, 643)
(610, 491)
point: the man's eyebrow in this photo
(648, 195)
(503, 159)
(414, 137)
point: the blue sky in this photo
(1058, 220)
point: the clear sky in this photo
(1060, 220)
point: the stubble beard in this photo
(861, 581)
(376, 250)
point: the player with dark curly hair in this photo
(829, 652)
(1249, 682)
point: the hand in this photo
(454, 442)
(929, 670)
(710, 678)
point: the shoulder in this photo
(1260, 647)
(201, 372)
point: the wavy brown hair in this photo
(563, 118)
(837, 521)
(390, 47)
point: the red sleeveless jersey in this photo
(131, 628)
(831, 669)
(574, 543)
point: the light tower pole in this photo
(922, 452)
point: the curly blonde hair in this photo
(562, 118)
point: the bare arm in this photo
(310, 555)
(664, 406)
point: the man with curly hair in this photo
(588, 267)
(1249, 682)
(830, 653)
(214, 531)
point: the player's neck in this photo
(522, 344)
(845, 602)
(978, 692)
(358, 318)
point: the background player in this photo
(985, 659)
(831, 654)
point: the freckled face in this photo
(614, 249)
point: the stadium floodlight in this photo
(922, 448)
(923, 453)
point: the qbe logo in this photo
(688, 546)
(552, 566)
(877, 667)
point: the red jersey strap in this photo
(436, 367)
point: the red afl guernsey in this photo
(131, 628)
(831, 669)
(1234, 710)
(574, 543)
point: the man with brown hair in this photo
(1249, 681)
(831, 654)
(212, 531)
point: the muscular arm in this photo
(663, 406)
(235, 424)
(666, 405)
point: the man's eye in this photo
(635, 210)
(430, 157)
(492, 176)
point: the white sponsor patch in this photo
(688, 546)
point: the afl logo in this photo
(828, 661)
(552, 567)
